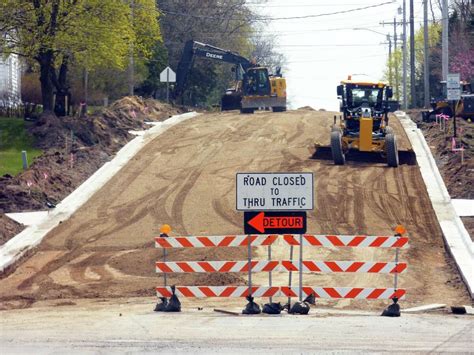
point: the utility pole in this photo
(395, 39)
(131, 65)
(412, 55)
(445, 58)
(395, 23)
(426, 66)
(405, 99)
(390, 76)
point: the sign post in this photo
(453, 93)
(168, 76)
(276, 203)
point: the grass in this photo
(14, 138)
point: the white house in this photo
(10, 80)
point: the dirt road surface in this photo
(131, 327)
(186, 178)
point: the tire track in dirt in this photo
(187, 179)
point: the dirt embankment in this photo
(74, 148)
(459, 178)
(8, 228)
(186, 178)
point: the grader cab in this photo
(364, 126)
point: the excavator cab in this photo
(262, 90)
(257, 82)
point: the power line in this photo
(327, 45)
(334, 59)
(302, 5)
(256, 18)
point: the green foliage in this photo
(96, 33)
(434, 37)
(394, 67)
(158, 61)
(88, 34)
(14, 138)
(229, 24)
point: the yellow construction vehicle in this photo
(262, 90)
(463, 108)
(254, 87)
(364, 127)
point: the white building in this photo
(10, 80)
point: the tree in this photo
(461, 39)
(158, 61)
(396, 62)
(90, 33)
(227, 24)
(264, 50)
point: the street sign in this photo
(168, 76)
(453, 94)
(453, 81)
(274, 191)
(275, 222)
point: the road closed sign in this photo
(275, 191)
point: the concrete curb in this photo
(456, 237)
(30, 237)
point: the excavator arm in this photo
(194, 49)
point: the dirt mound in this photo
(74, 148)
(306, 108)
(457, 177)
(8, 227)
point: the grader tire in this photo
(391, 150)
(336, 148)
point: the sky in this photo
(322, 51)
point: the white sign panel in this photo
(453, 81)
(453, 94)
(274, 191)
(168, 76)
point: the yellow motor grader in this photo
(364, 126)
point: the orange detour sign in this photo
(275, 222)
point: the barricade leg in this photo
(300, 290)
(289, 277)
(164, 305)
(270, 307)
(394, 309)
(249, 259)
(300, 307)
(270, 273)
(165, 274)
(251, 307)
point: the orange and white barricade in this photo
(396, 242)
